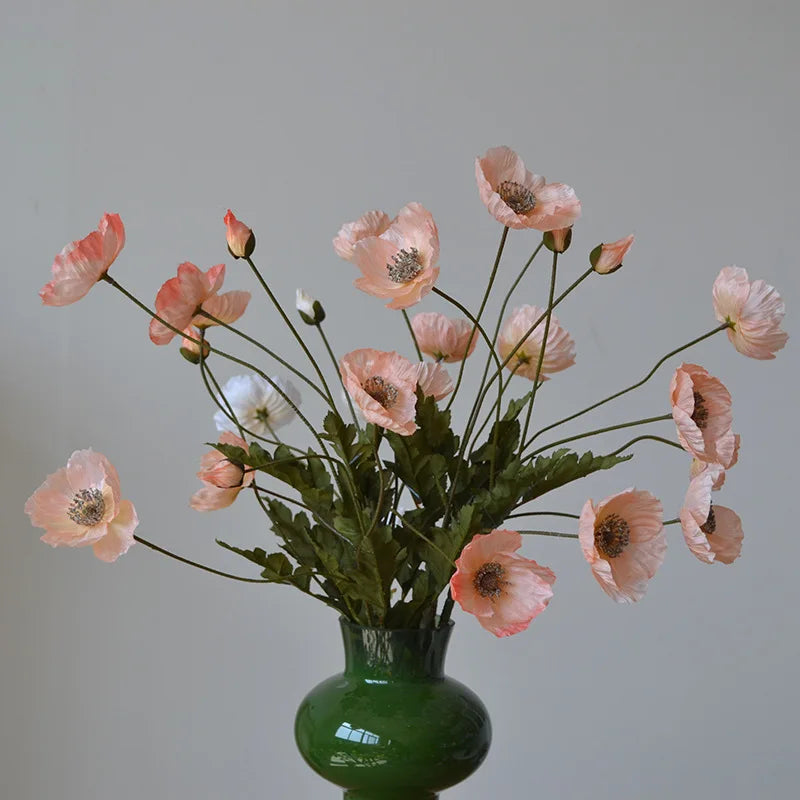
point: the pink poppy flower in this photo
(701, 408)
(383, 386)
(241, 240)
(517, 198)
(698, 466)
(401, 263)
(81, 264)
(712, 532)
(180, 298)
(434, 380)
(222, 478)
(560, 351)
(80, 505)
(502, 589)
(373, 223)
(226, 307)
(622, 538)
(754, 310)
(606, 258)
(443, 338)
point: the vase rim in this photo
(345, 622)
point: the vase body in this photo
(392, 726)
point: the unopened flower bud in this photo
(223, 474)
(241, 240)
(606, 258)
(190, 350)
(311, 310)
(558, 241)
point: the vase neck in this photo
(381, 654)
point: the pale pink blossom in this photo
(712, 532)
(607, 258)
(241, 240)
(226, 308)
(373, 223)
(80, 505)
(401, 264)
(753, 309)
(434, 380)
(383, 386)
(560, 351)
(698, 466)
(179, 300)
(81, 264)
(502, 589)
(517, 198)
(443, 338)
(222, 478)
(622, 538)
(702, 410)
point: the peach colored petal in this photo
(227, 308)
(557, 206)
(726, 541)
(212, 498)
(82, 263)
(445, 339)
(119, 535)
(241, 241)
(719, 473)
(608, 258)
(434, 380)
(373, 223)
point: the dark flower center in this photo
(517, 197)
(87, 507)
(405, 265)
(489, 580)
(612, 536)
(381, 390)
(710, 525)
(700, 413)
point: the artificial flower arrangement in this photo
(392, 508)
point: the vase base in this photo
(389, 794)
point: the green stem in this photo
(292, 328)
(336, 367)
(597, 431)
(544, 514)
(557, 534)
(631, 387)
(413, 335)
(424, 538)
(644, 438)
(674, 521)
(503, 390)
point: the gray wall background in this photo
(676, 121)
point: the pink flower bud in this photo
(241, 240)
(606, 258)
(223, 474)
(190, 350)
(558, 241)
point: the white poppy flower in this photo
(257, 404)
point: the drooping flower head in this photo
(517, 198)
(622, 538)
(383, 386)
(443, 338)
(81, 264)
(754, 310)
(434, 380)
(560, 351)
(502, 589)
(190, 347)
(701, 408)
(241, 240)
(712, 532)
(222, 478)
(606, 258)
(260, 407)
(80, 505)
(373, 223)
(401, 264)
(719, 473)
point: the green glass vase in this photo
(392, 726)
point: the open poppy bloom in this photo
(560, 351)
(81, 264)
(622, 538)
(443, 338)
(504, 591)
(517, 198)
(434, 380)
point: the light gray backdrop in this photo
(675, 121)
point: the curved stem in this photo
(557, 534)
(336, 367)
(425, 539)
(597, 431)
(632, 386)
(644, 438)
(266, 350)
(492, 409)
(544, 514)
(196, 564)
(413, 335)
(292, 328)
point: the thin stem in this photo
(644, 438)
(292, 328)
(557, 534)
(597, 431)
(424, 538)
(336, 367)
(544, 514)
(543, 347)
(196, 564)
(674, 521)
(632, 386)
(266, 350)
(414, 335)
(493, 408)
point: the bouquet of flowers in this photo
(396, 506)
